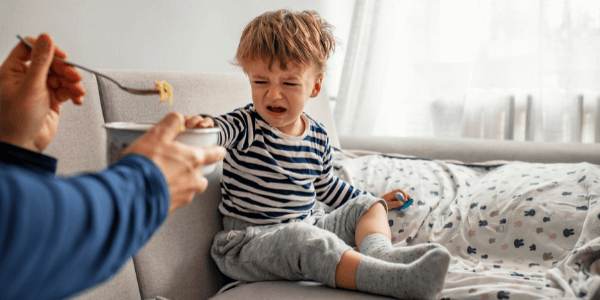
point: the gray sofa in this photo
(176, 262)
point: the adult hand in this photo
(33, 87)
(392, 202)
(181, 164)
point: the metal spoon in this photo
(131, 90)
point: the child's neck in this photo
(295, 129)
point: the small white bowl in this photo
(119, 135)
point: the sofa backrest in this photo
(194, 93)
(80, 141)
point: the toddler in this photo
(279, 162)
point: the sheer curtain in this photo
(498, 69)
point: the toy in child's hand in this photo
(400, 197)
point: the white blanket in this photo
(515, 231)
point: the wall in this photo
(176, 35)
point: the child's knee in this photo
(379, 207)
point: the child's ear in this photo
(317, 87)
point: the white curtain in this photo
(499, 69)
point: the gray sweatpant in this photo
(308, 249)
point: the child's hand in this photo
(193, 122)
(390, 198)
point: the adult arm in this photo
(59, 236)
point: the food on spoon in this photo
(166, 91)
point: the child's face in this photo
(280, 96)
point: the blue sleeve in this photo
(59, 236)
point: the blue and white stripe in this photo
(270, 177)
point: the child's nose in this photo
(274, 92)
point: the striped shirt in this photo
(271, 177)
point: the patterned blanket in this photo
(515, 230)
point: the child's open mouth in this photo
(276, 109)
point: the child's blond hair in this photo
(287, 36)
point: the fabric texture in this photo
(307, 249)
(270, 177)
(59, 236)
(80, 141)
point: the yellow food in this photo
(166, 91)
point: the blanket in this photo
(515, 230)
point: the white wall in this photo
(172, 35)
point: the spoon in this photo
(127, 89)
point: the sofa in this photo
(176, 262)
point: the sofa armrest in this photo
(470, 150)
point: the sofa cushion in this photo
(122, 285)
(176, 261)
(291, 290)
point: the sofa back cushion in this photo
(194, 93)
(80, 141)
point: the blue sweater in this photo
(59, 236)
